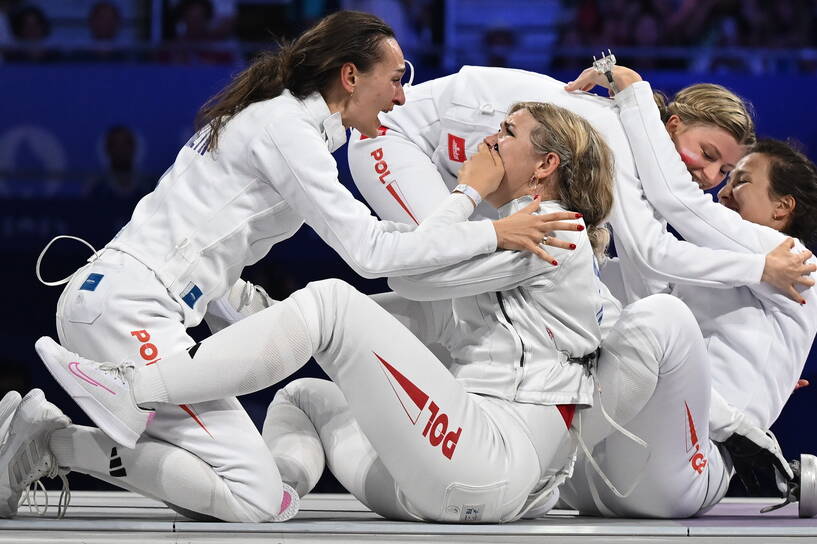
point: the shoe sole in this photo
(8, 456)
(8, 405)
(290, 510)
(99, 414)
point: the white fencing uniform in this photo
(425, 142)
(212, 214)
(644, 369)
(453, 113)
(469, 447)
(758, 338)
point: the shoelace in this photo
(117, 370)
(30, 496)
(248, 294)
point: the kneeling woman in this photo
(483, 442)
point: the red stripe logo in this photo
(381, 131)
(456, 148)
(697, 461)
(414, 401)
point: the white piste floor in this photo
(126, 518)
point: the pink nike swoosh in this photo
(73, 366)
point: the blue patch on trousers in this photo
(192, 296)
(91, 282)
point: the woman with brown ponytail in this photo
(257, 169)
(484, 441)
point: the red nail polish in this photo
(554, 263)
(578, 215)
(572, 246)
(803, 303)
(581, 227)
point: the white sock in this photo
(248, 356)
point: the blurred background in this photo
(96, 98)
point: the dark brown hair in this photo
(307, 65)
(792, 173)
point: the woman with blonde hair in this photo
(712, 127)
(482, 441)
(258, 168)
(758, 340)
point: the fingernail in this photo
(572, 246)
(803, 303)
(537, 197)
(578, 215)
(580, 227)
(554, 263)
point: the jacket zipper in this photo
(501, 301)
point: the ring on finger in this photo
(545, 240)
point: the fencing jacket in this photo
(758, 339)
(448, 117)
(518, 324)
(213, 213)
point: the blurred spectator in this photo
(498, 44)
(122, 178)
(195, 41)
(105, 41)
(6, 35)
(104, 22)
(718, 29)
(31, 29)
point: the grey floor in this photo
(128, 518)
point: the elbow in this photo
(365, 267)
(407, 289)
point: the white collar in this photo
(515, 205)
(332, 129)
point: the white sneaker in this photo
(8, 405)
(102, 390)
(25, 456)
(289, 504)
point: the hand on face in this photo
(483, 171)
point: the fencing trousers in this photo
(449, 455)
(205, 459)
(653, 378)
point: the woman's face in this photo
(748, 191)
(709, 152)
(377, 90)
(514, 147)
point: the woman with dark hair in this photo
(444, 121)
(758, 339)
(259, 167)
(484, 441)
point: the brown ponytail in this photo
(307, 65)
